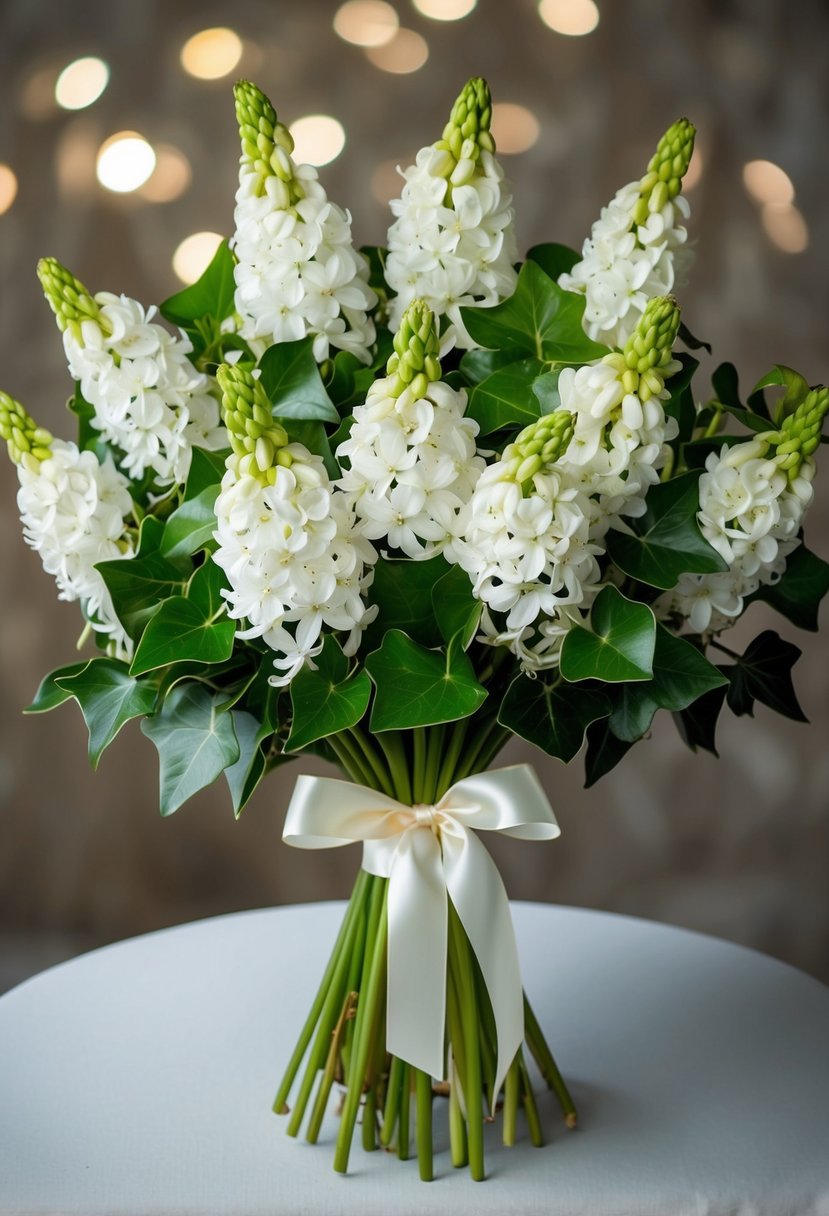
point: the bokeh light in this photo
(125, 162)
(8, 187)
(573, 17)
(194, 255)
(514, 127)
(768, 183)
(406, 52)
(76, 155)
(211, 54)
(318, 139)
(445, 10)
(81, 83)
(170, 178)
(366, 22)
(386, 182)
(785, 227)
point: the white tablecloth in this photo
(138, 1080)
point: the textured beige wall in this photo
(736, 847)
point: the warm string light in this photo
(445, 10)
(8, 187)
(514, 127)
(170, 178)
(770, 186)
(125, 162)
(194, 255)
(571, 17)
(81, 83)
(212, 54)
(366, 22)
(318, 139)
(406, 52)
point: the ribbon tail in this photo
(416, 986)
(477, 891)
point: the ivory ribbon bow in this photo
(429, 854)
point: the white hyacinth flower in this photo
(294, 558)
(297, 271)
(149, 400)
(637, 248)
(411, 451)
(452, 243)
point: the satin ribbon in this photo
(431, 854)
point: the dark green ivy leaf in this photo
(786, 378)
(191, 526)
(554, 716)
(690, 341)
(553, 259)
(667, 540)
(210, 296)
(328, 699)
(403, 592)
(455, 607)
(797, 594)
(697, 723)
(417, 687)
(291, 379)
(108, 697)
(617, 647)
(191, 628)
(195, 741)
(50, 693)
(764, 673)
(604, 751)
(477, 364)
(139, 585)
(506, 398)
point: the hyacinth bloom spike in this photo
(800, 432)
(637, 248)
(452, 243)
(415, 360)
(28, 444)
(538, 447)
(258, 442)
(69, 300)
(297, 271)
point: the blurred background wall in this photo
(736, 847)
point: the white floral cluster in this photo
(294, 560)
(453, 241)
(637, 247)
(413, 465)
(148, 398)
(751, 513)
(73, 509)
(297, 271)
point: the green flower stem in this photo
(355, 971)
(451, 756)
(419, 782)
(460, 961)
(365, 1027)
(369, 1128)
(423, 1099)
(488, 1036)
(405, 1111)
(512, 1086)
(457, 1131)
(392, 1106)
(395, 754)
(349, 759)
(373, 761)
(330, 1071)
(528, 1098)
(436, 745)
(341, 947)
(547, 1066)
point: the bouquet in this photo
(391, 507)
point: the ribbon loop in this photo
(431, 854)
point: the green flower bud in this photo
(68, 298)
(648, 349)
(255, 437)
(666, 169)
(28, 444)
(467, 133)
(415, 362)
(538, 447)
(267, 143)
(799, 433)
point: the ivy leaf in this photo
(554, 717)
(314, 437)
(477, 364)
(690, 341)
(195, 741)
(50, 693)
(695, 454)
(506, 398)
(545, 388)
(139, 585)
(764, 673)
(244, 776)
(108, 697)
(206, 469)
(726, 386)
(191, 526)
(210, 296)
(667, 541)
(786, 378)
(798, 593)
(619, 645)
(681, 674)
(697, 723)
(554, 259)
(417, 687)
(348, 382)
(192, 628)
(327, 700)
(604, 751)
(455, 608)
(540, 320)
(291, 379)
(403, 592)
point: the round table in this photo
(138, 1080)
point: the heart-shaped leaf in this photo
(402, 590)
(108, 696)
(697, 724)
(539, 320)
(195, 741)
(798, 593)
(617, 647)
(667, 540)
(764, 673)
(193, 628)
(291, 378)
(553, 716)
(139, 585)
(328, 699)
(50, 693)
(210, 296)
(191, 526)
(417, 687)
(455, 607)
(604, 751)
(506, 398)
(553, 259)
